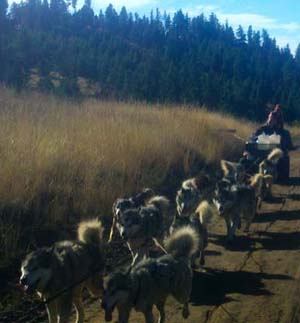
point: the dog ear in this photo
(114, 206)
(149, 192)
(112, 229)
(227, 167)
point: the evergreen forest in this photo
(159, 58)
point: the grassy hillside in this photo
(63, 160)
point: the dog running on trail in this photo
(235, 203)
(60, 272)
(152, 280)
(142, 226)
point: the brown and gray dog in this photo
(143, 226)
(64, 270)
(198, 220)
(233, 172)
(191, 193)
(152, 280)
(122, 204)
(260, 183)
(269, 167)
(235, 203)
(194, 210)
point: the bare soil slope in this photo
(258, 278)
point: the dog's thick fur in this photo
(143, 226)
(151, 281)
(235, 203)
(191, 193)
(204, 212)
(269, 165)
(198, 221)
(70, 265)
(234, 172)
(122, 204)
(260, 183)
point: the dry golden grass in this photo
(295, 131)
(63, 160)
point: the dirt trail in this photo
(258, 279)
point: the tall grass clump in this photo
(63, 160)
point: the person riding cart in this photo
(267, 137)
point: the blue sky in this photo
(281, 18)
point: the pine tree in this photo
(158, 58)
(297, 56)
(3, 11)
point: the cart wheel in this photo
(283, 169)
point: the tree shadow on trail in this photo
(275, 199)
(261, 240)
(293, 181)
(278, 215)
(279, 240)
(293, 196)
(239, 243)
(212, 253)
(212, 286)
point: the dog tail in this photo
(229, 167)
(90, 232)
(257, 182)
(205, 212)
(160, 202)
(183, 242)
(275, 155)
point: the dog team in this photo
(166, 243)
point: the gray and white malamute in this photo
(194, 210)
(143, 227)
(69, 266)
(191, 193)
(269, 167)
(123, 204)
(152, 280)
(233, 172)
(261, 184)
(198, 220)
(235, 203)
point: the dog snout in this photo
(221, 208)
